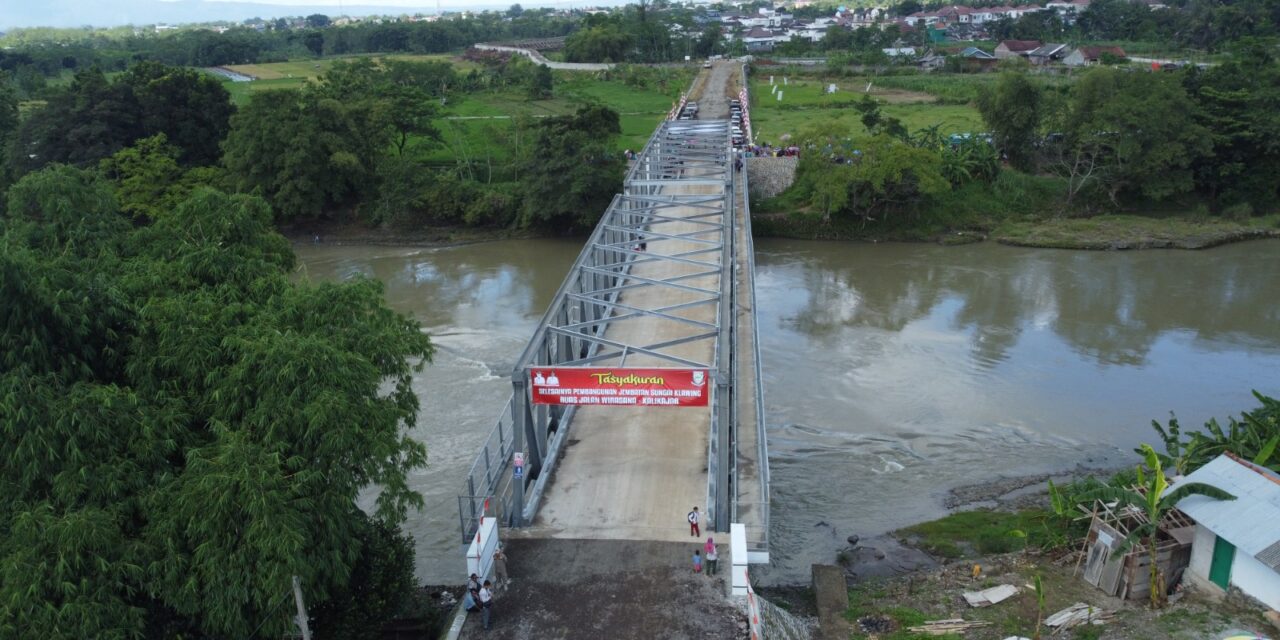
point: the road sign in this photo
(517, 464)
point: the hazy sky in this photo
(106, 13)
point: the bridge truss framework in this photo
(686, 164)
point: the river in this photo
(893, 372)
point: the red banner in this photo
(624, 387)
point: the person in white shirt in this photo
(486, 602)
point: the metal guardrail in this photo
(762, 432)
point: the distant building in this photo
(1047, 53)
(758, 39)
(1091, 55)
(1016, 48)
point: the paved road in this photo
(541, 59)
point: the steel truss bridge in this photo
(666, 279)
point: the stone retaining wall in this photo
(770, 176)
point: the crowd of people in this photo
(765, 150)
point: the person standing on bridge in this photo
(693, 523)
(713, 558)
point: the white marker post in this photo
(779, 96)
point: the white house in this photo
(1237, 542)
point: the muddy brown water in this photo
(893, 372)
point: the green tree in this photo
(1235, 100)
(875, 122)
(1012, 112)
(1154, 501)
(213, 420)
(540, 83)
(190, 108)
(148, 181)
(8, 124)
(570, 173)
(381, 586)
(605, 43)
(305, 151)
(313, 40)
(1138, 129)
(95, 117)
(317, 21)
(872, 180)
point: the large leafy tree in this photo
(1012, 111)
(1154, 501)
(183, 427)
(1140, 129)
(190, 108)
(303, 150)
(878, 178)
(1235, 100)
(569, 173)
(95, 117)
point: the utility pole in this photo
(302, 609)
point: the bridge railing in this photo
(758, 540)
(489, 477)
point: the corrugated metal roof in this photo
(1251, 522)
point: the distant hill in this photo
(111, 13)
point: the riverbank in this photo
(886, 609)
(1099, 233)
(969, 551)
(346, 233)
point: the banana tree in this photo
(1154, 501)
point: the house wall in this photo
(1247, 574)
(1202, 554)
(1256, 579)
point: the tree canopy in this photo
(569, 173)
(183, 426)
(95, 117)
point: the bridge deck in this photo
(634, 472)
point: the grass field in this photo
(804, 105)
(306, 69)
(477, 125)
(296, 73)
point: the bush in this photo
(1238, 212)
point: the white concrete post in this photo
(738, 553)
(779, 96)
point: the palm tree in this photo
(1155, 503)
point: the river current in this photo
(893, 372)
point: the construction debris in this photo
(988, 597)
(943, 627)
(1078, 614)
